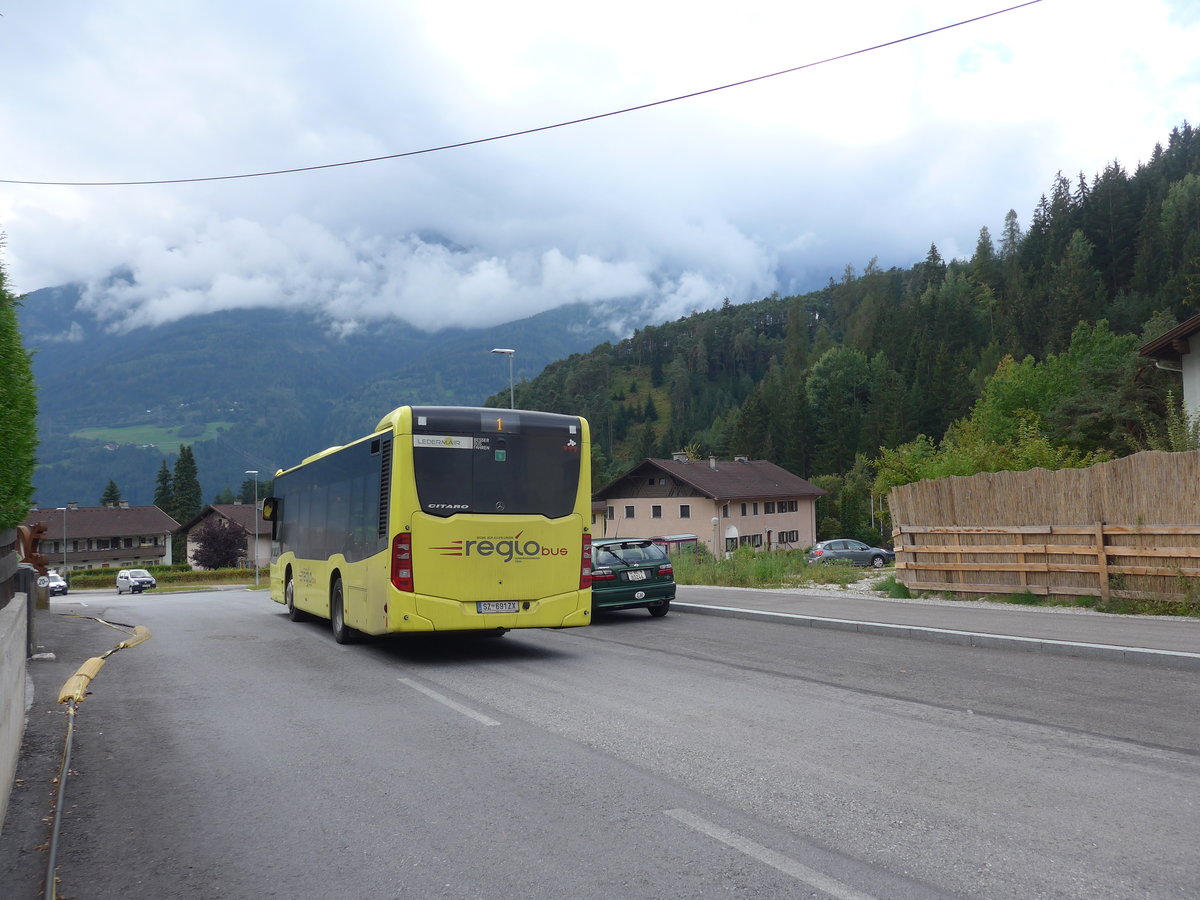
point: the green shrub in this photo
(166, 576)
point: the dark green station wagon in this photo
(628, 573)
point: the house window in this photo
(768, 507)
(128, 543)
(731, 544)
(629, 512)
(786, 506)
(751, 540)
(756, 507)
(685, 510)
(743, 509)
(725, 510)
(656, 512)
(610, 514)
(789, 537)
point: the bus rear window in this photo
(510, 464)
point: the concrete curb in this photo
(1142, 655)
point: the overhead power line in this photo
(514, 134)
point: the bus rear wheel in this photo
(342, 633)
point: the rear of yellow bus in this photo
(490, 520)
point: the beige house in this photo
(105, 537)
(725, 503)
(245, 517)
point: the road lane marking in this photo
(785, 864)
(446, 701)
(1177, 658)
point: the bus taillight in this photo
(585, 563)
(402, 573)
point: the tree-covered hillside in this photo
(823, 383)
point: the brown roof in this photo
(103, 521)
(241, 514)
(1174, 343)
(729, 480)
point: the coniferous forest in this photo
(1023, 355)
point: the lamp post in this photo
(254, 472)
(716, 534)
(63, 510)
(509, 353)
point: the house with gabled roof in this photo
(1172, 351)
(246, 518)
(726, 503)
(117, 536)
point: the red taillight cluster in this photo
(604, 575)
(402, 573)
(665, 569)
(585, 563)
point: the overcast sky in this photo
(772, 186)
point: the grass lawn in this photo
(165, 439)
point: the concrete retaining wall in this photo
(12, 693)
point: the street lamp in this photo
(63, 510)
(254, 472)
(509, 353)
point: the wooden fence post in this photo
(1102, 562)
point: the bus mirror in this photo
(270, 509)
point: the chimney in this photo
(712, 462)
(741, 459)
(74, 504)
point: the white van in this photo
(135, 581)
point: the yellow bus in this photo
(443, 519)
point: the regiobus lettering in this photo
(509, 549)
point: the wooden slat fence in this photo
(989, 533)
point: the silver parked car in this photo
(135, 581)
(855, 552)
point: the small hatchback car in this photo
(135, 581)
(58, 584)
(854, 552)
(628, 573)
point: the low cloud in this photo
(355, 279)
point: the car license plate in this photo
(637, 575)
(496, 606)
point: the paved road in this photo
(1158, 640)
(238, 754)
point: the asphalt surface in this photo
(66, 642)
(1153, 640)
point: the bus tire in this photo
(289, 592)
(342, 633)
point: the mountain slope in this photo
(282, 385)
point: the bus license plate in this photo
(637, 575)
(496, 606)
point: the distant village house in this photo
(755, 503)
(118, 536)
(243, 516)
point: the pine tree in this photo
(111, 495)
(186, 496)
(164, 490)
